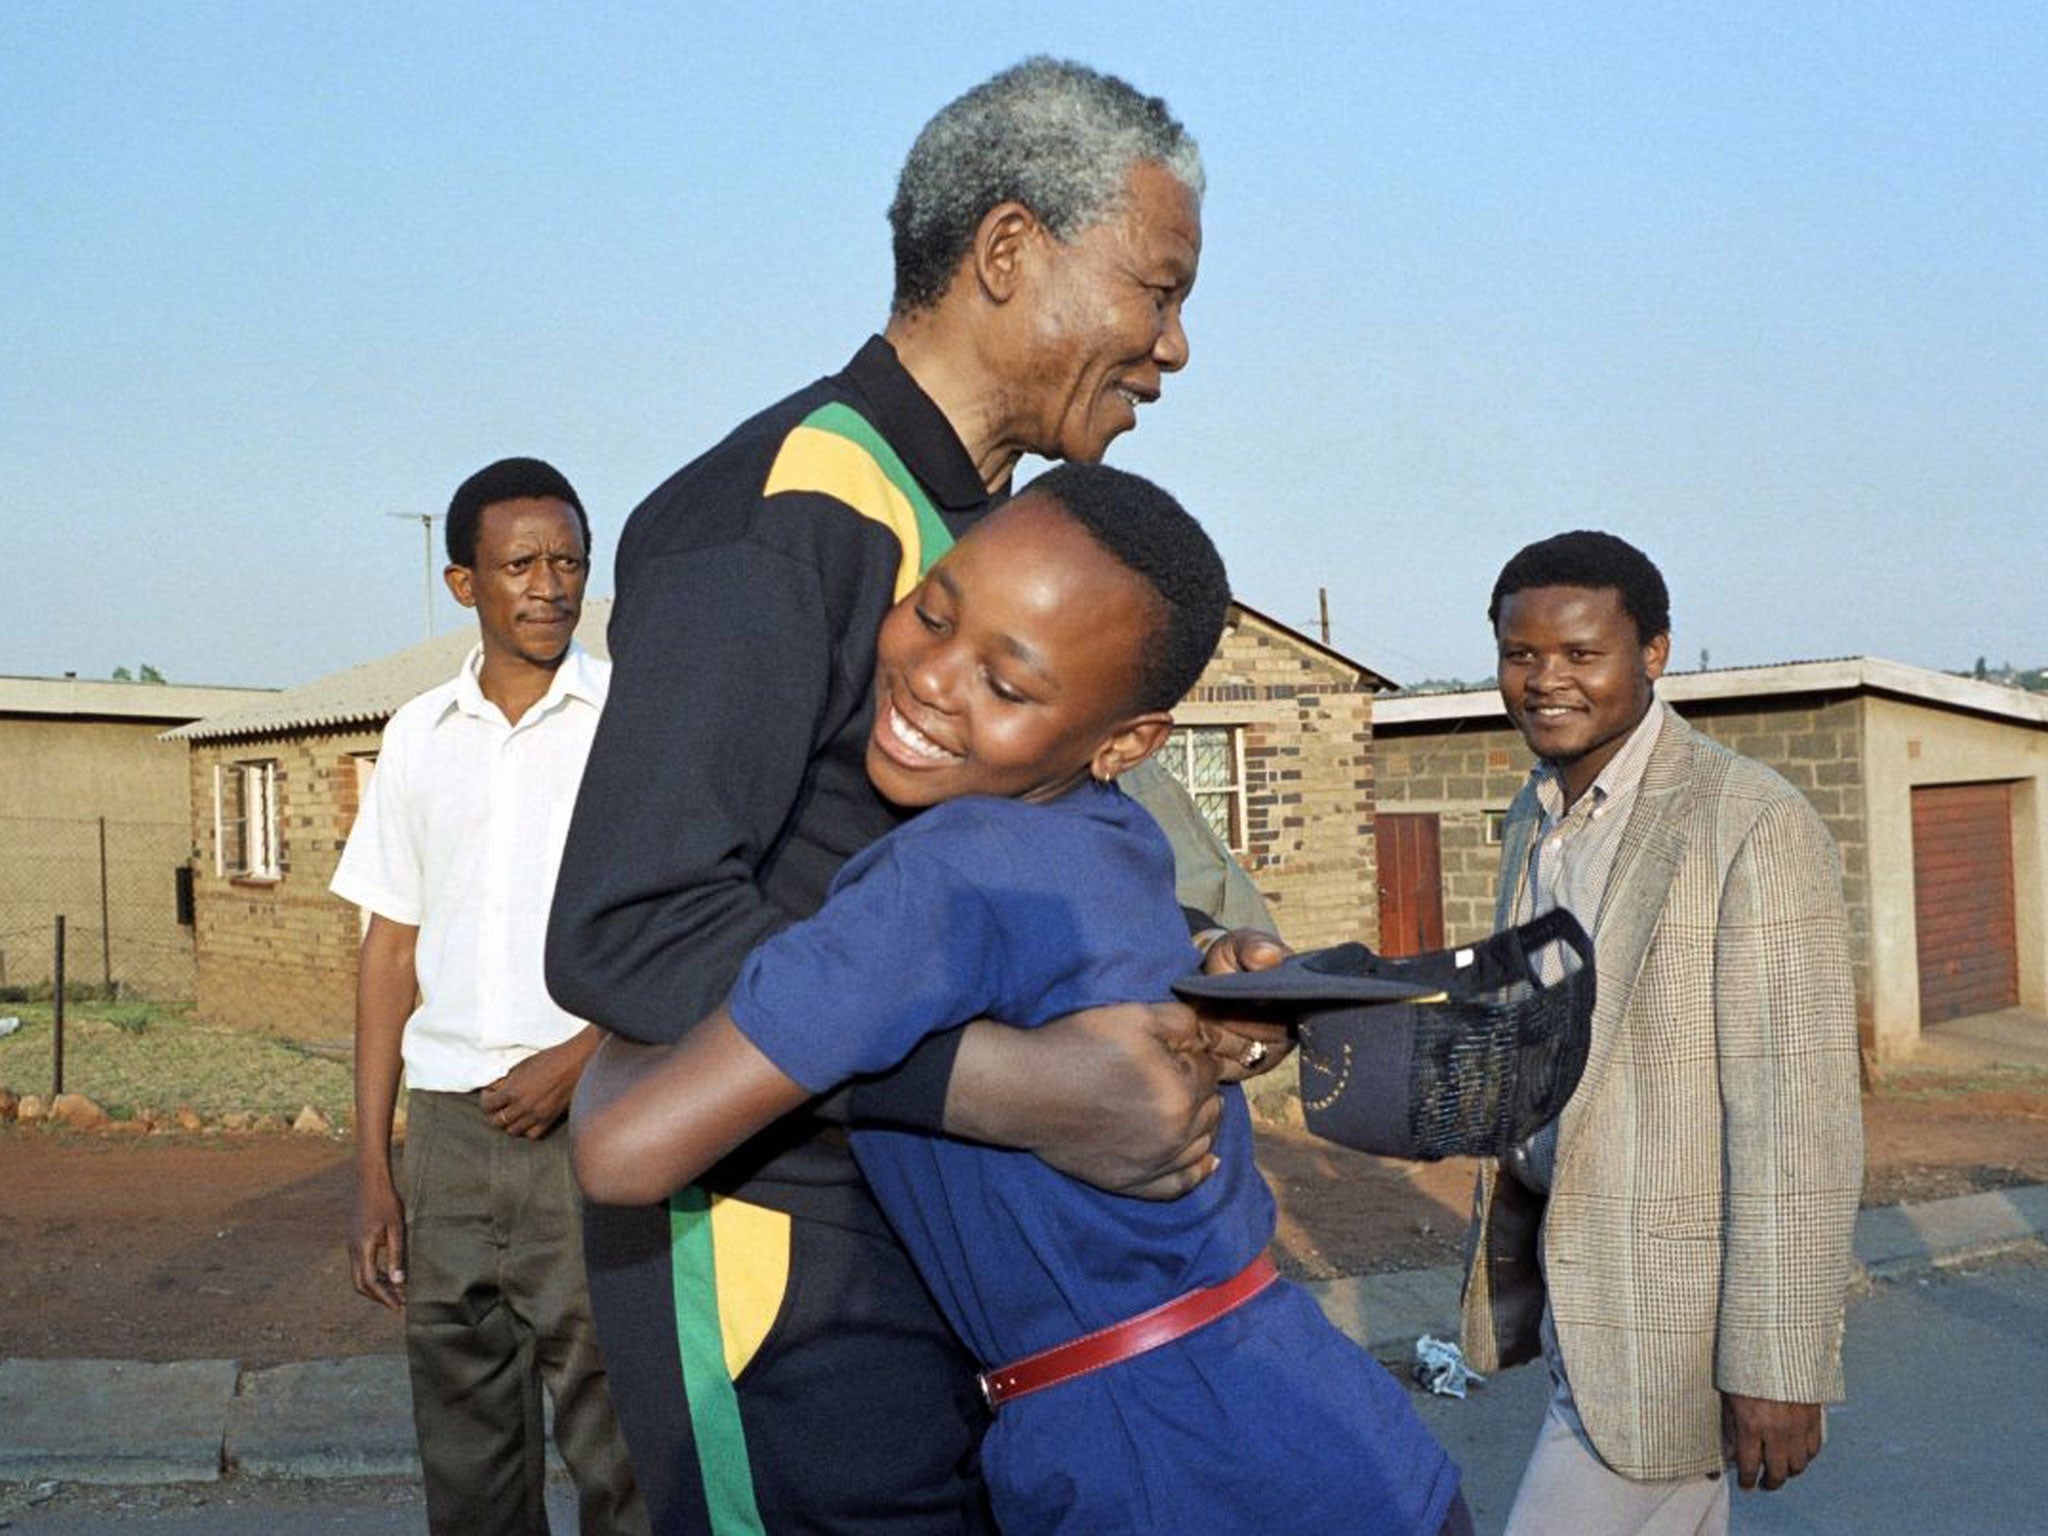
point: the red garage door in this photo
(1962, 900)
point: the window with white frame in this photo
(1209, 762)
(1496, 828)
(245, 820)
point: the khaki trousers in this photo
(496, 1310)
(1567, 1490)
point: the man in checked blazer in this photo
(1676, 1244)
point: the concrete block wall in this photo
(1462, 770)
(1462, 776)
(1817, 744)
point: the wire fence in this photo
(117, 884)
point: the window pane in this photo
(1212, 765)
(1204, 760)
(234, 820)
(1173, 757)
(262, 820)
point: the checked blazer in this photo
(1696, 1237)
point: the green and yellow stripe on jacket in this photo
(729, 1259)
(835, 452)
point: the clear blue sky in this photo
(1763, 287)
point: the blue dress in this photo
(1020, 912)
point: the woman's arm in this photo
(648, 1119)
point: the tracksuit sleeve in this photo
(722, 668)
(723, 664)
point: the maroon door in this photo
(1411, 883)
(1962, 900)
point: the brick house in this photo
(1935, 788)
(1275, 743)
(1290, 722)
(272, 790)
(93, 825)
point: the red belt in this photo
(1133, 1336)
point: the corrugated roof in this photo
(368, 694)
(1845, 674)
(105, 699)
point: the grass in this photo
(129, 1055)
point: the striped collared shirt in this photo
(1570, 859)
(1573, 850)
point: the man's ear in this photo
(1001, 242)
(1134, 741)
(1656, 654)
(462, 582)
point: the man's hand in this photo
(1245, 1047)
(1122, 1097)
(376, 1244)
(1771, 1438)
(533, 1096)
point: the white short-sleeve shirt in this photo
(461, 836)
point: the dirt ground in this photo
(176, 1246)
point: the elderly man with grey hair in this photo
(776, 1361)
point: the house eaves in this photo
(78, 698)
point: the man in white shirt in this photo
(454, 855)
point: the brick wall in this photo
(1306, 725)
(280, 955)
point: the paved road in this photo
(241, 1507)
(1946, 1434)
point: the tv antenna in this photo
(426, 520)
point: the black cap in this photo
(1349, 973)
(1461, 1052)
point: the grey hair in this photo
(1056, 136)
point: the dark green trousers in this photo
(496, 1313)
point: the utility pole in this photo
(1323, 612)
(426, 520)
(57, 1013)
